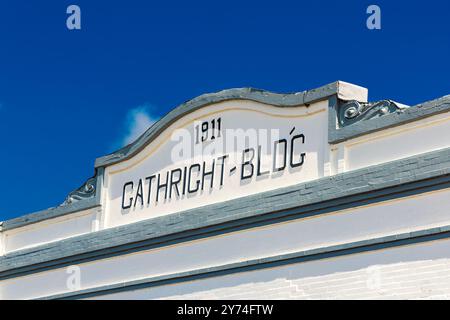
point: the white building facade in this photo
(247, 194)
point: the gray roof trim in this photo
(372, 244)
(401, 117)
(389, 179)
(49, 214)
(275, 99)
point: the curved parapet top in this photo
(343, 90)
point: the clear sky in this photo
(70, 96)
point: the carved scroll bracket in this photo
(86, 191)
(354, 111)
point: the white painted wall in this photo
(420, 271)
(390, 217)
(311, 121)
(411, 139)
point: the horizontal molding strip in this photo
(372, 244)
(378, 183)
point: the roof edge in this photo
(343, 90)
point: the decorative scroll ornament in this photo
(86, 191)
(354, 111)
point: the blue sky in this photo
(68, 97)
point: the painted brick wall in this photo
(413, 271)
(413, 280)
